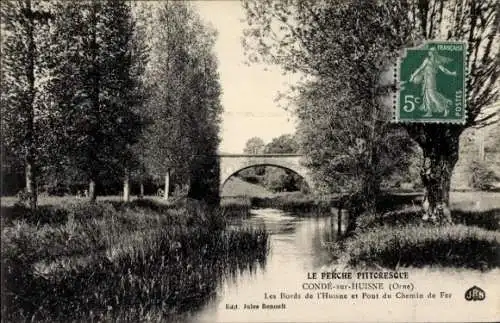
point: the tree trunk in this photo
(141, 190)
(339, 221)
(30, 135)
(94, 93)
(92, 193)
(439, 161)
(167, 185)
(31, 185)
(362, 204)
(126, 187)
(204, 182)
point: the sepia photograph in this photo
(250, 160)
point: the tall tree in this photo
(351, 42)
(95, 87)
(344, 127)
(349, 143)
(478, 23)
(183, 106)
(284, 144)
(254, 145)
(279, 179)
(22, 22)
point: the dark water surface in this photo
(297, 245)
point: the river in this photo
(297, 249)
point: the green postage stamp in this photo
(431, 81)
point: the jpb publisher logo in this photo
(475, 294)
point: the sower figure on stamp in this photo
(425, 74)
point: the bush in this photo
(421, 245)
(236, 206)
(280, 180)
(369, 221)
(489, 219)
(250, 178)
(482, 177)
(395, 201)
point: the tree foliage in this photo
(345, 46)
(183, 107)
(278, 179)
(95, 86)
(254, 145)
(23, 104)
(71, 73)
(347, 148)
(284, 144)
(344, 126)
(105, 89)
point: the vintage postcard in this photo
(250, 161)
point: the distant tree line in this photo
(273, 178)
(400, 173)
(99, 93)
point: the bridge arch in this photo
(273, 165)
(230, 164)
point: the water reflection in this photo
(297, 244)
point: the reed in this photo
(111, 261)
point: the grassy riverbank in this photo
(296, 202)
(401, 238)
(110, 261)
(456, 246)
(236, 206)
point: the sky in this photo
(249, 92)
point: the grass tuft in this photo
(115, 261)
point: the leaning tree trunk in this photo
(439, 160)
(362, 205)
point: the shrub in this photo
(489, 219)
(395, 201)
(250, 178)
(420, 245)
(236, 206)
(42, 215)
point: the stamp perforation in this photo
(428, 97)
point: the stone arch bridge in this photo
(231, 164)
